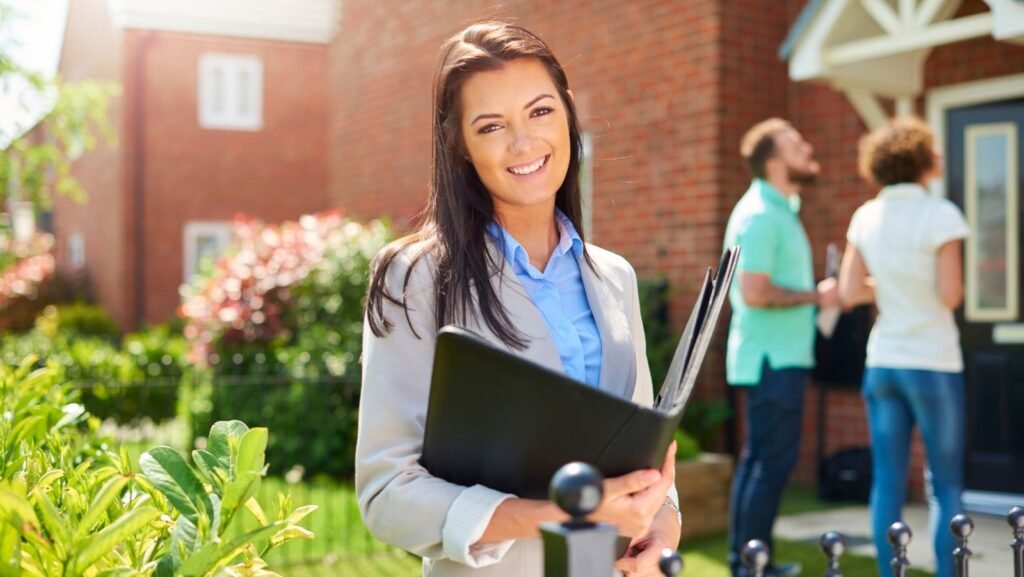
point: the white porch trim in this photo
(937, 34)
(877, 48)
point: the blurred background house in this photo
(278, 108)
(223, 111)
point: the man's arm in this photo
(759, 292)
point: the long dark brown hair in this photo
(453, 224)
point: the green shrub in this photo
(703, 418)
(687, 447)
(295, 371)
(77, 320)
(18, 311)
(139, 379)
(70, 507)
(661, 340)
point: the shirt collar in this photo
(902, 190)
(770, 194)
(568, 239)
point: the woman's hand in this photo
(632, 500)
(644, 552)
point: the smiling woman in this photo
(501, 252)
(517, 139)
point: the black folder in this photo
(502, 421)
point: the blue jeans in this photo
(896, 400)
(774, 418)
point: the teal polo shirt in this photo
(773, 242)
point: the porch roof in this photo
(877, 48)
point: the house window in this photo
(204, 241)
(230, 92)
(76, 251)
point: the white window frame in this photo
(587, 184)
(194, 231)
(76, 251)
(974, 312)
(231, 67)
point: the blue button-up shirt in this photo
(561, 298)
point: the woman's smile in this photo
(530, 168)
(515, 130)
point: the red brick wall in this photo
(92, 50)
(191, 173)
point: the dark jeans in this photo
(774, 417)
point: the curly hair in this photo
(901, 151)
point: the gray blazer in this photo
(401, 503)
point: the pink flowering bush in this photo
(23, 278)
(247, 296)
(29, 282)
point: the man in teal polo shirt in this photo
(771, 335)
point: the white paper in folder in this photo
(828, 317)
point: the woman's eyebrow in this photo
(528, 104)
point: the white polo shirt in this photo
(898, 234)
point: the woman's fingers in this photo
(669, 464)
(630, 483)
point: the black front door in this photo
(985, 176)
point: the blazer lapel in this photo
(608, 304)
(523, 313)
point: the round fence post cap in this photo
(961, 525)
(577, 488)
(670, 563)
(1016, 518)
(833, 544)
(755, 554)
(899, 534)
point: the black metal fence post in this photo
(899, 535)
(1016, 520)
(578, 548)
(962, 526)
(834, 545)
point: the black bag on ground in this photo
(846, 476)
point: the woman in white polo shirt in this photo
(903, 253)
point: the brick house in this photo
(222, 111)
(665, 89)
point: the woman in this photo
(500, 252)
(903, 253)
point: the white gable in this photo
(314, 21)
(869, 48)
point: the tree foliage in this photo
(59, 122)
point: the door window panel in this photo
(990, 191)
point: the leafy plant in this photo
(278, 324)
(77, 319)
(70, 507)
(37, 162)
(703, 418)
(137, 379)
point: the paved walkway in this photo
(989, 543)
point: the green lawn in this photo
(343, 547)
(703, 556)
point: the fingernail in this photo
(652, 475)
